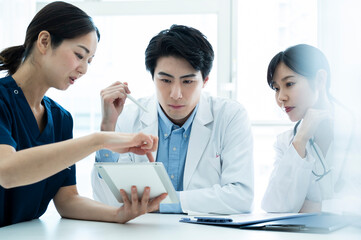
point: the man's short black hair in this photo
(183, 42)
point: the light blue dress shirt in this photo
(105, 155)
(172, 152)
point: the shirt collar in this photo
(167, 125)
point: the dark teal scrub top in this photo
(18, 128)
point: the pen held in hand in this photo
(136, 102)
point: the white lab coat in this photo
(292, 181)
(218, 174)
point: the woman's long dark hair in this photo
(62, 20)
(303, 59)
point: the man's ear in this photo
(321, 79)
(205, 80)
(44, 42)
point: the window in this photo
(264, 29)
(277, 25)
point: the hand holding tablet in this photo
(125, 175)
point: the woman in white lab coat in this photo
(306, 170)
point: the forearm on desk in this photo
(232, 198)
(70, 205)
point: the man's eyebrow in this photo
(171, 76)
(86, 50)
(165, 74)
(188, 75)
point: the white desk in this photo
(151, 226)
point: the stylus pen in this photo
(136, 102)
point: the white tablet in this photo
(125, 175)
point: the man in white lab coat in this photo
(205, 143)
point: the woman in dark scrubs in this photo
(37, 149)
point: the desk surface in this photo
(151, 226)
